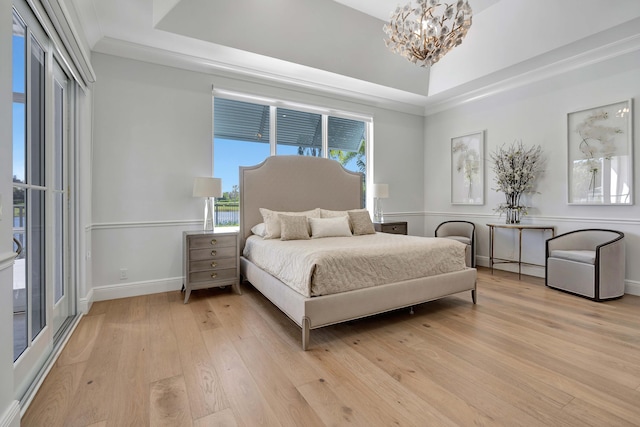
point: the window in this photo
(242, 137)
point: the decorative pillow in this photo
(330, 227)
(294, 227)
(361, 222)
(272, 220)
(325, 213)
(259, 229)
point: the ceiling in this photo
(382, 9)
(337, 46)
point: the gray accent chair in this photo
(462, 231)
(589, 263)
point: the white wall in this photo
(536, 114)
(152, 134)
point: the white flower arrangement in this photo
(516, 169)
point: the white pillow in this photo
(272, 220)
(259, 229)
(330, 227)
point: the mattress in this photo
(338, 264)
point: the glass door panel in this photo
(20, 336)
(61, 301)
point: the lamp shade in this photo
(381, 191)
(205, 186)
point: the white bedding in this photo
(338, 264)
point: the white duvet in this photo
(337, 264)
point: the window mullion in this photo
(273, 129)
(325, 136)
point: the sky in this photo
(230, 154)
(18, 109)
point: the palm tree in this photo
(344, 157)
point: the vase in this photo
(513, 208)
(513, 214)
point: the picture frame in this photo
(600, 155)
(467, 169)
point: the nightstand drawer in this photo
(215, 264)
(210, 254)
(391, 227)
(213, 275)
(201, 242)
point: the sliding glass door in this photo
(41, 127)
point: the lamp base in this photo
(378, 215)
(208, 214)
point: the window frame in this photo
(325, 112)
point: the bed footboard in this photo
(316, 312)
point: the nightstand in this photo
(399, 227)
(210, 260)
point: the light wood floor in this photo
(524, 355)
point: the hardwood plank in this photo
(164, 354)
(98, 307)
(514, 390)
(279, 337)
(54, 398)
(588, 414)
(81, 343)
(94, 397)
(245, 399)
(331, 409)
(203, 312)
(159, 298)
(232, 313)
(130, 402)
(206, 395)
(524, 355)
(283, 398)
(169, 403)
(224, 418)
(411, 373)
(394, 403)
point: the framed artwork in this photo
(601, 155)
(467, 169)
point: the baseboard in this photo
(630, 287)
(11, 416)
(84, 304)
(132, 289)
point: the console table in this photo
(520, 228)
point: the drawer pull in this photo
(214, 253)
(213, 241)
(214, 275)
(214, 265)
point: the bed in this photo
(302, 183)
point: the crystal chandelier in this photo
(425, 33)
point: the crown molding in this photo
(341, 87)
(615, 52)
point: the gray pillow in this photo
(361, 222)
(294, 227)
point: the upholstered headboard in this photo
(295, 183)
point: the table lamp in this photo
(209, 188)
(380, 191)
